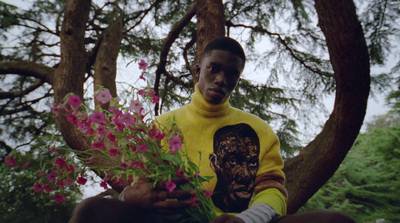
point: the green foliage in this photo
(19, 201)
(366, 184)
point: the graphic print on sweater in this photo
(235, 161)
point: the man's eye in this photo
(253, 164)
(232, 162)
(213, 70)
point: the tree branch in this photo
(285, 45)
(30, 69)
(172, 36)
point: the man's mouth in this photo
(243, 194)
(217, 91)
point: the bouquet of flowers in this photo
(130, 146)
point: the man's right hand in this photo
(159, 198)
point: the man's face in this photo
(237, 168)
(219, 74)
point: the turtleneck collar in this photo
(201, 106)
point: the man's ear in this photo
(213, 162)
(197, 70)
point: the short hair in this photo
(241, 130)
(225, 44)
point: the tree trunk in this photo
(105, 66)
(210, 25)
(70, 74)
(318, 161)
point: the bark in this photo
(105, 66)
(210, 25)
(70, 74)
(318, 161)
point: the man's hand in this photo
(158, 198)
(226, 218)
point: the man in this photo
(235, 163)
(254, 192)
(221, 64)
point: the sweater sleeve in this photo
(259, 213)
(270, 178)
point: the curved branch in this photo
(350, 61)
(30, 69)
(172, 36)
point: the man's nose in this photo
(220, 78)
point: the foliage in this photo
(366, 184)
(19, 201)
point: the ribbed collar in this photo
(201, 106)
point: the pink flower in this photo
(127, 118)
(52, 177)
(123, 165)
(104, 96)
(47, 188)
(143, 65)
(104, 185)
(179, 173)
(141, 92)
(38, 187)
(101, 130)
(70, 169)
(194, 202)
(170, 186)
(81, 180)
(142, 148)
(208, 193)
(74, 100)
(41, 175)
(52, 149)
(10, 161)
(151, 93)
(60, 162)
(25, 165)
(155, 99)
(59, 198)
(97, 117)
(55, 110)
(175, 143)
(136, 106)
(111, 137)
(113, 152)
(99, 145)
(72, 119)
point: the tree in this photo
(87, 36)
(366, 183)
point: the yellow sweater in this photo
(199, 121)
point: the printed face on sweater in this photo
(235, 161)
(219, 74)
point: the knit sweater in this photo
(200, 120)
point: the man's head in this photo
(221, 64)
(235, 162)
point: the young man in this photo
(240, 149)
(249, 180)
